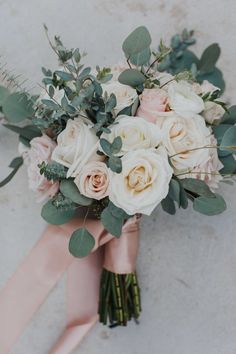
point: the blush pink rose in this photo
(93, 180)
(40, 151)
(152, 102)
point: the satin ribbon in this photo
(44, 266)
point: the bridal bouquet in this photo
(113, 143)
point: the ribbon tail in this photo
(82, 301)
(31, 284)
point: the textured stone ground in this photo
(187, 262)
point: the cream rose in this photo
(213, 112)
(76, 145)
(152, 101)
(143, 182)
(93, 180)
(135, 132)
(183, 137)
(125, 95)
(183, 100)
(209, 170)
(40, 151)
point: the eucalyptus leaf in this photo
(15, 164)
(81, 243)
(137, 41)
(141, 58)
(56, 216)
(215, 77)
(228, 142)
(112, 223)
(168, 205)
(106, 146)
(64, 75)
(28, 132)
(69, 189)
(210, 205)
(174, 191)
(209, 58)
(115, 164)
(51, 104)
(196, 186)
(183, 198)
(4, 92)
(132, 77)
(117, 212)
(116, 145)
(229, 163)
(230, 116)
(17, 107)
(219, 132)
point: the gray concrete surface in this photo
(187, 262)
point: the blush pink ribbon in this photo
(44, 266)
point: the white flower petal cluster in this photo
(143, 182)
(76, 145)
(135, 132)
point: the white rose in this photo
(135, 132)
(125, 95)
(76, 145)
(143, 182)
(213, 112)
(93, 180)
(183, 137)
(183, 99)
(208, 171)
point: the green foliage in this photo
(18, 107)
(141, 58)
(132, 77)
(196, 186)
(209, 58)
(115, 164)
(174, 191)
(104, 74)
(228, 142)
(4, 92)
(229, 165)
(113, 219)
(230, 116)
(54, 213)
(215, 77)
(181, 58)
(168, 205)
(219, 131)
(15, 164)
(204, 200)
(111, 149)
(137, 42)
(209, 205)
(70, 190)
(81, 243)
(176, 194)
(26, 133)
(53, 171)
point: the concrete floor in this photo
(187, 262)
